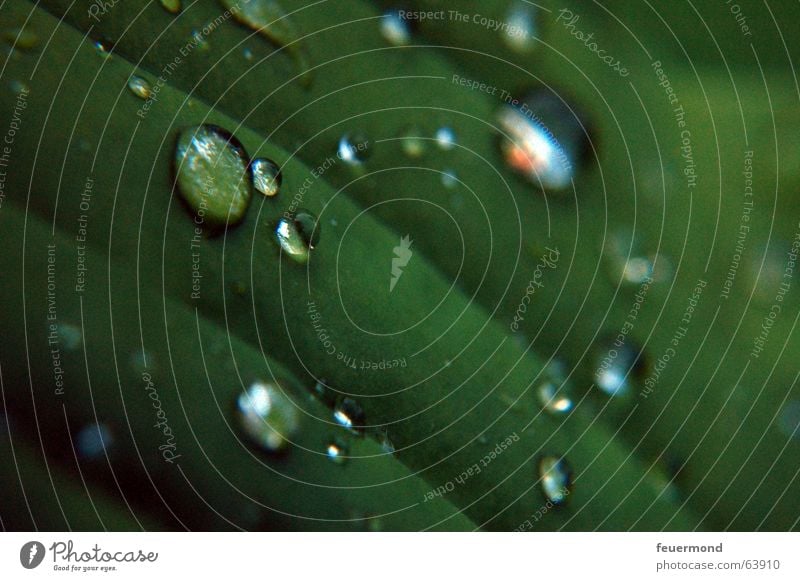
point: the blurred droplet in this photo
(520, 31)
(298, 236)
(200, 41)
(171, 6)
(412, 142)
(542, 140)
(69, 336)
(142, 361)
(349, 414)
(449, 179)
(247, 54)
(337, 451)
(140, 87)
(395, 29)
(556, 478)
(353, 149)
(92, 441)
(445, 138)
(267, 416)
(211, 175)
(789, 420)
(267, 176)
(24, 39)
(627, 263)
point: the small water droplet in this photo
(140, 87)
(386, 442)
(542, 140)
(789, 421)
(299, 236)
(211, 175)
(19, 87)
(520, 32)
(445, 138)
(103, 48)
(553, 397)
(349, 414)
(337, 451)
(200, 40)
(93, 440)
(24, 39)
(171, 6)
(617, 366)
(267, 416)
(247, 54)
(353, 149)
(267, 176)
(483, 439)
(412, 142)
(394, 29)
(627, 263)
(556, 478)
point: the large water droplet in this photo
(298, 236)
(92, 441)
(269, 19)
(349, 414)
(267, 176)
(542, 139)
(445, 138)
(140, 87)
(267, 416)
(337, 451)
(520, 30)
(394, 29)
(556, 478)
(211, 175)
(617, 366)
(171, 6)
(353, 148)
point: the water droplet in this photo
(22, 39)
(298, 236)
(267, 176)
(554, 397)
(519, 34)
(211, 175)
(483, 439)
(140, 87)
(92, 441)
(247, 54)
(449, 179)
(337, 450)
(445, 138)
(542, 140)
(353, 149)
(412, 142)
(349, 414)
(171, 6)
(103, 48)
(267, 416)
(394, 29)
(556, 478)
(617, 366)
(269, 19)
(789, 421)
